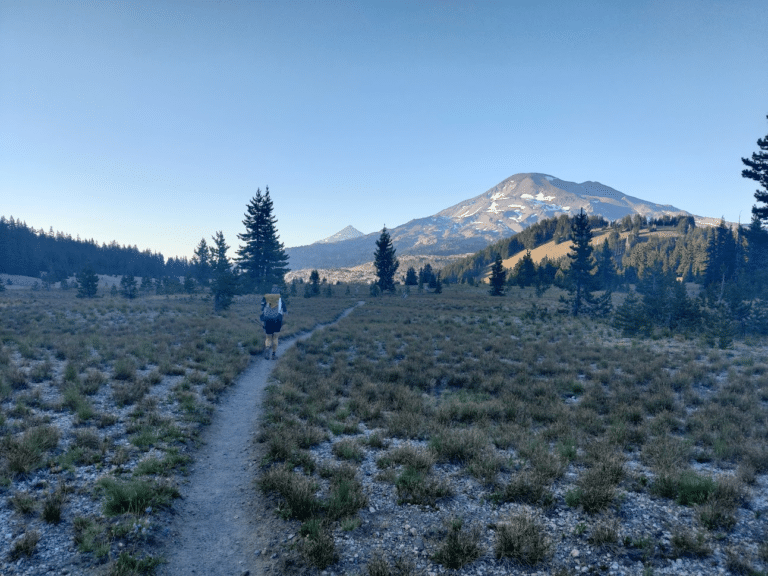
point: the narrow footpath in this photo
(220, 526)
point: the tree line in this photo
(260, 262)
(56, 256)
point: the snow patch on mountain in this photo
(540, 197)
(467, 214)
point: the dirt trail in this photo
(220, 525)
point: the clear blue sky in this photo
(153, 123)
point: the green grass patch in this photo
(134, 496)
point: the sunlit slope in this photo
(552, 251)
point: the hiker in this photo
(272, 311)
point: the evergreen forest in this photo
(57, 256)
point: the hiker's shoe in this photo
(274, 356)
(266, 353)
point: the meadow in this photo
(494, 435)
(101, 405)
(456, 431)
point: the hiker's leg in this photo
(267, 345)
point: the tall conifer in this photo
(87, 283)
(202, 263)
(223, 281)
(385, 262)
(580, 273)
(498, 277)
(262, 259)
(757, 169)
(129, 287)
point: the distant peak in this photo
(344, 234)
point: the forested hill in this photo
(474, 266)
(633, 246)
(29, 252)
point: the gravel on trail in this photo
(221, 525)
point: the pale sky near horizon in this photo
(153, 123)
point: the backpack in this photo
(272, 307)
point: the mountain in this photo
(347, 233)
(471, 225)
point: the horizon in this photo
(153, 125)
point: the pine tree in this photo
(757, 169)
(427, 276)
(438, 284)
(314, 283)
(721, 256)
(580, 273)
(262, 259)
(202, 263)
(146, 284)
(605, 274)
(603, 305)
(756, 270)
(129, 287)
(498, 277)
(223, 280)
(630, 318)
(410, 277)
(722, 327)
(524, 272)
(87, 283)
(385, 262)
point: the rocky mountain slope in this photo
(471, 225)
